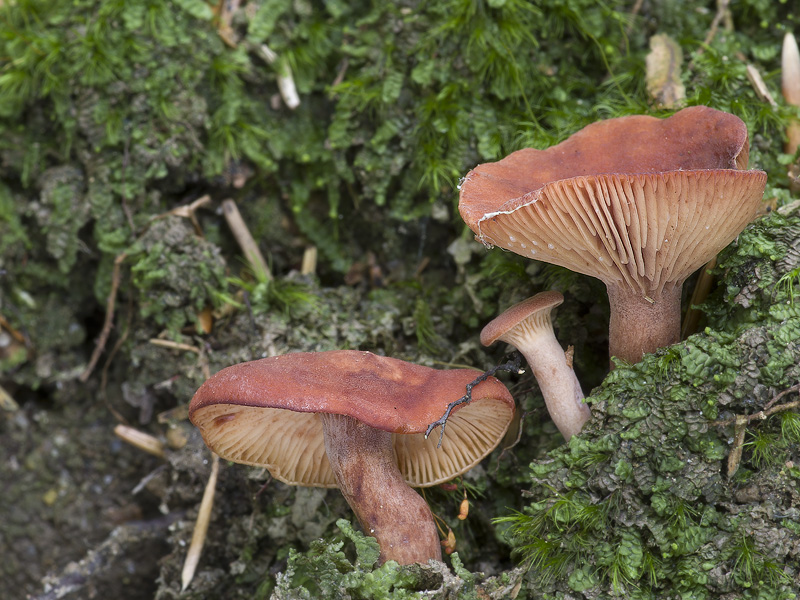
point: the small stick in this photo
(174, 345)
(735, 457)
(637, 7)
(512, 366)
(761, 89)
(140, 439)
(187, 211)
(225, 11)
(12, 332)
(245, 240)
(7, 402)
(341, 73)
(104, 373)
(178, 346)
(284, 72)
(786, 392)
(722, 8)
(109, 321)
(701, 289)
(309, 265)
(200, 526)
(768, 410)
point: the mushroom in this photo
(638, 202)
(528, 327)
(356, 421)
(790, 87)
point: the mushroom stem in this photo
(640, 325)
(363, 461)
(559, 386)
(557, 381)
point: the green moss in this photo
(346, 567)
(176, 273)
(113, 113)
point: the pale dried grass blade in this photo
(140, 439)
(200, 526)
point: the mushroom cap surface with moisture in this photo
(638, 202)
(264, 413)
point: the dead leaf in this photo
(664, 72)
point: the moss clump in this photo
(327, 570)
(639, 504)
(177, 274)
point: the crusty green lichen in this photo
(639, 504)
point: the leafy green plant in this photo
(264, 294)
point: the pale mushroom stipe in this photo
(356, 421)
(638, 202)
(529, 328)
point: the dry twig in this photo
(769, 410)
(286, 85)
(200, 526)
(109, 320)
(722, 11)
(187, 348)
(245, 239)
(309, 266)
(140, 439)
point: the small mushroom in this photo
(528, 327)
(790, 86)
(638, 202)
(356, 421)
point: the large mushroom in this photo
(529, 328)
(356, 421)
(638, 202)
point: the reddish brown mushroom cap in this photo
(695, 138)
(264, 413)
(529, 328)
(637, 201)
(538, 307)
